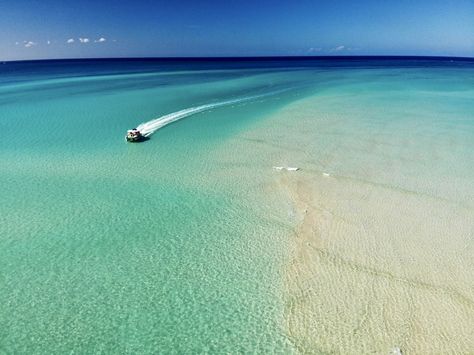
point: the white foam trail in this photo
(150, 127)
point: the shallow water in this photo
(384, 255)
(181, 243)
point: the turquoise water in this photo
(177, 244)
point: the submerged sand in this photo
(377, 261)
(352, 289)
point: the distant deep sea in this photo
(186, 243)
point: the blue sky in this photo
(34, 29)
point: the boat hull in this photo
(135, 139)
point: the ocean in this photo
(191, 241)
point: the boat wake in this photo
(150, 127)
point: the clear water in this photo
(180, 244)
(383, 257)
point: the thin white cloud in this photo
(339, 48)
(17, 43)
(30, 44)
(48, 42)
(314, 49)
(70, 40)
(100, 40)
(84, 40)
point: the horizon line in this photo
(263, 57)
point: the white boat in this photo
(134, 135)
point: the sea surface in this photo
(191, 242)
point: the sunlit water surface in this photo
(180, 244)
